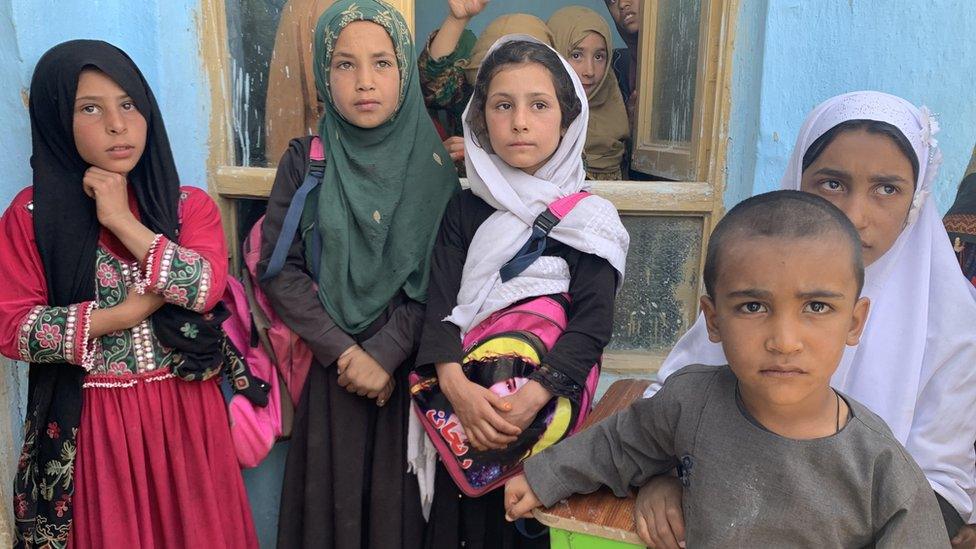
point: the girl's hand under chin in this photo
(111, 196)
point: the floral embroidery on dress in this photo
(107, 276)
(56, 486)
(184, 276)
(50, 334)
(60, 471)
(61, 506)
(135, 350)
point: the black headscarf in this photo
(960, 223)
(960, 220)
(67, 230)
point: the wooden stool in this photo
(599, 520)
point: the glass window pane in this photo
(675, 69)
(660, 293)
(251, 28)
(272, 88)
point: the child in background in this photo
(769, 454)
(112, 276)
(524, 132)
(626, 15)
(583, 38)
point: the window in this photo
(684, 74)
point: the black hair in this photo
(781, 214)
(871, 126)
(520, 52)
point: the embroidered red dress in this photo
(155, 465)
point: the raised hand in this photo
(466, 9)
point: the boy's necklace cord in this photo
(837, 395)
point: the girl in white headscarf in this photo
(524, 133)
(874, 156)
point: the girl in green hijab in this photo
(354, 282)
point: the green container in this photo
(562, 539)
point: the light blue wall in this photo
(161, 37)
(15, 139)
(431, 13)
(811, 50)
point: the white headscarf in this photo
(593, 226)
(916, 363)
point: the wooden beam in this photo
(630, 197)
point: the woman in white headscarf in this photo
(874, 156)
(524, 133)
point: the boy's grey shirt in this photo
(746, 486)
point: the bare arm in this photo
(136, 308)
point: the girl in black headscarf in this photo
(111, 279)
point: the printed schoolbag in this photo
(272, 350)
(501, 353)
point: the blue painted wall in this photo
(161, 37)
(808, 51)
(15, 140)
(431, 13)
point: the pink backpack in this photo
(501, 353)
(272, 351)
(254, 429)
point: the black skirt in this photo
(476, 523)
(346, 484)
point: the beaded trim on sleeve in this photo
(166, 261)
(55, 334)
(142, 279)
(90, 346)
(203, 287)
(26, 327)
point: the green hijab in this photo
(385, 188)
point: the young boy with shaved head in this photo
(768, 453)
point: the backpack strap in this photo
(543, 225)
(289, 227)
